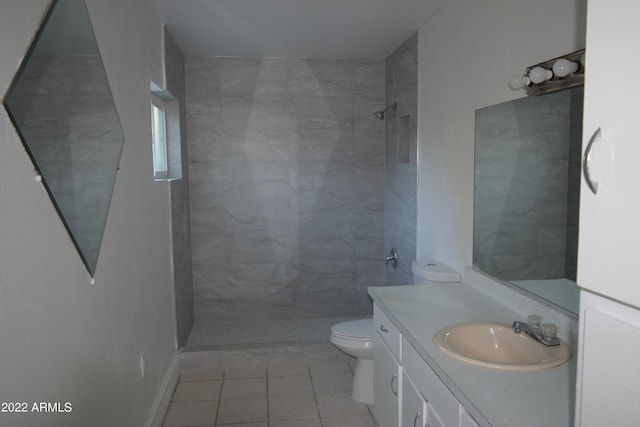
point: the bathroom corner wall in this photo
(401, 160)
(180, 211)
(286, 161)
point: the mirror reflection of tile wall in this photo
(527, 175)
(61, 105)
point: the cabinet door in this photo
(414, 406)
(433, 420)
(609, 246)
(387, 378)
(608, 375)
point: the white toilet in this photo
(355, 337)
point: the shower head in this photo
(380, 114)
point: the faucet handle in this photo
(534, 320)
(549, 331)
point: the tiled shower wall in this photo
(401, 165)
(286, 163)
(180, 217)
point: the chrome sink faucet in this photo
(545, 335)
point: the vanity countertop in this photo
(492, 397)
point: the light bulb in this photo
(563, 67)
(539, 74)
(518, 82)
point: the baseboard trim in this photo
(163, 398)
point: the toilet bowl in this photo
(355, 338)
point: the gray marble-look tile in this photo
(256, 280)
(240, 114)
(310, 77)
(364, 109)
(262, 179)
(202, 77)
(287, 176)
(369, 178)
(254, 78)
(314, 226)
(322, 111)
(401, 77)
(370, 77)
(321, 276)
(256, 146)
(206, 122)
(244, 247)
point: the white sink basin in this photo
(497, 346)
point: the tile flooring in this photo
(306, 386)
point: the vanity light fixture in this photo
(550, 76)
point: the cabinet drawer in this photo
(443, 403)
(388, 332)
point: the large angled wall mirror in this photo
(526, 194)
(61, 105)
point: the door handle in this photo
(415, 420)
(593, 186)
(394, 379)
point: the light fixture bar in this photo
(540, 78)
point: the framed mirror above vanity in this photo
(526, 194)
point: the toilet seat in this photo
(354, 330)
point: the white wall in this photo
(468, 52)
(63, 339)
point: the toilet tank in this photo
(432, 271)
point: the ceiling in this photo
(293, 28)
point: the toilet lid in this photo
(354, 329)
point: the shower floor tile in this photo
(238, 334)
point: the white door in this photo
(609, 243)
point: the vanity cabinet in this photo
(407, 393)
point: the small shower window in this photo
(165, 133)
(159, 139)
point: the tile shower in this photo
(286, 165)
(400, 220)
